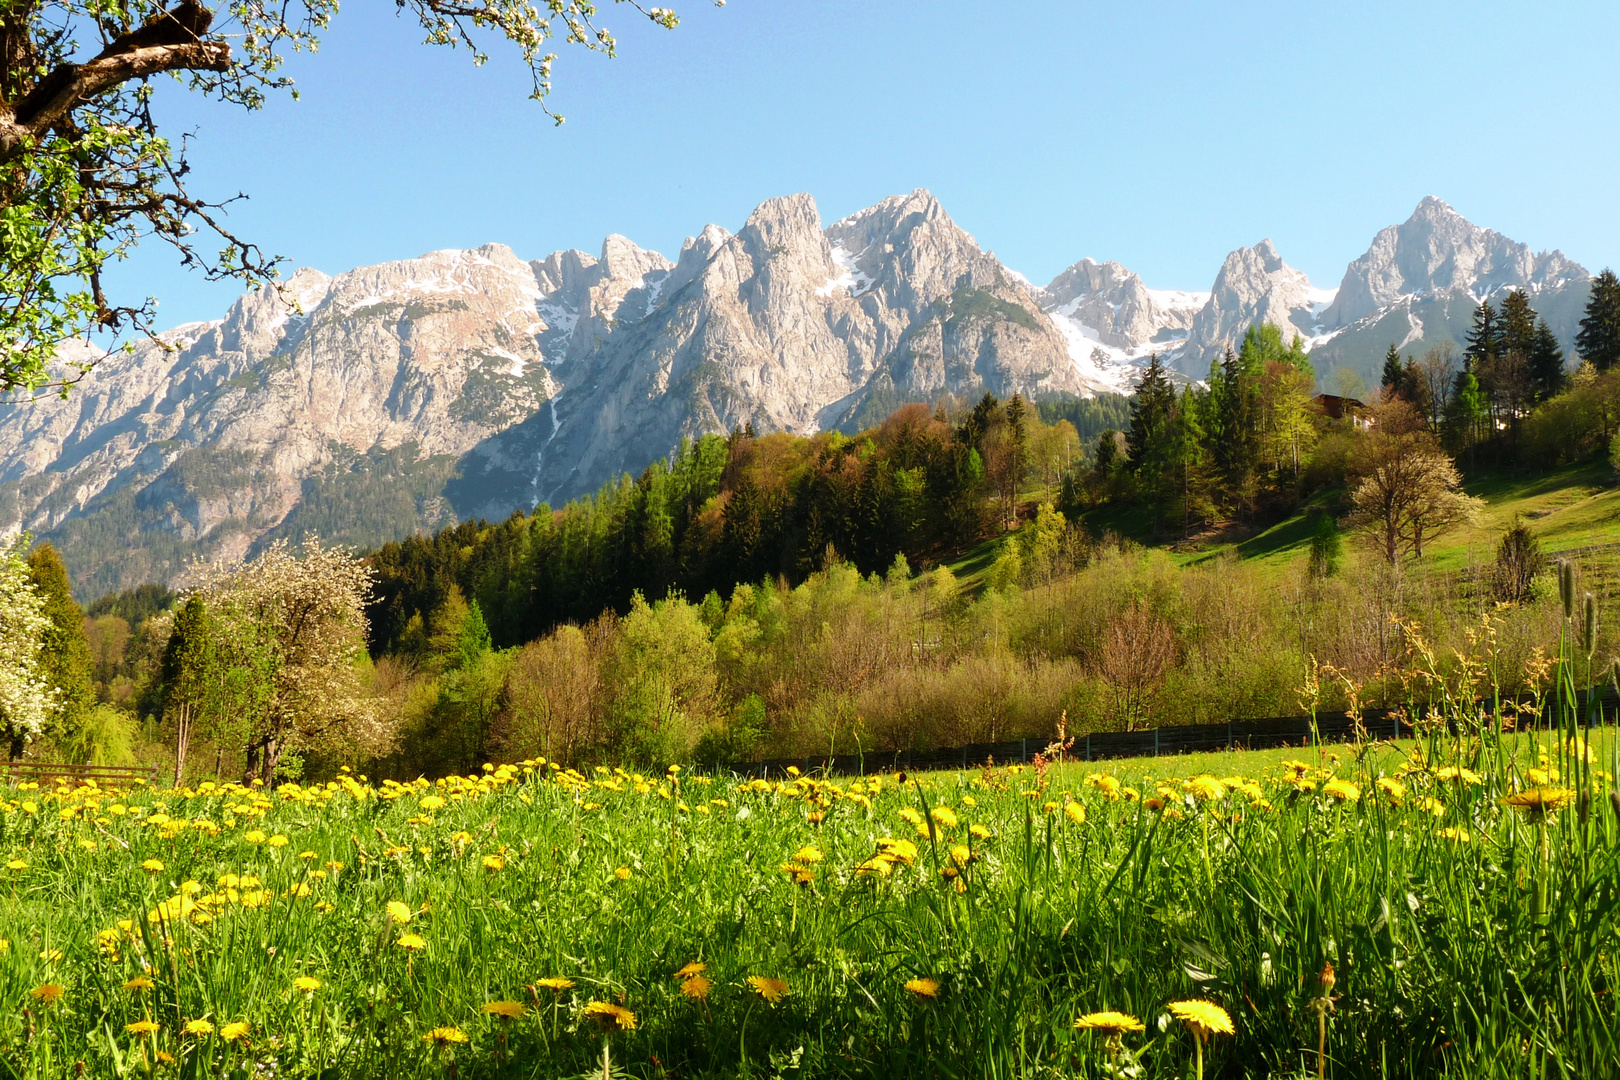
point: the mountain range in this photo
(401, 397)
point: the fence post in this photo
(1088, 747)
(1229, 734)
(1155, 742)
(1023, 751)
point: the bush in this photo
(1518, 562)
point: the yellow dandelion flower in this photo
(979, 832)
(610, 1016)
(307, 984)
(17, 864)
(509, 1010)
(234, 1030)
(139, 982)
(1341, 791)
(910, 815)
(307, 855)
(255, 836)
(431, 803)
(696, 987)
(443, 1036)
(924, 988)
(808, 854)
(1392, 788)
(494, 862)
(1075, 813)
(50, 993)
(622, 873)
(1114, 1023)
(1205, 787)
(1205, 1018)
(1540, 802)
(411, 943)
(1459, 835)
(944, 815)
(277, 841)
(556, 982)
(142, 1027)
(399, 912)
(152, 866)
(696, 967)
(199, 1027)
(772, 990)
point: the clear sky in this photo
(1159, 134)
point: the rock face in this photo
(1437, 250)
(471, 383)
(1254, 286)
(1112, 321)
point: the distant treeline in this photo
(744, 508)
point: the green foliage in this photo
(1327, 547)
(663, 675)
(65, 655)
(106, 735)
(1599, 339)
(1090, 417)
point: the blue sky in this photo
(1159, 134)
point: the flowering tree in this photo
(306, 614)
(26, 701)
(85, 173)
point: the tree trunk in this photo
(182, 741)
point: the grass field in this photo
(536, 922)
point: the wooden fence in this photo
(1150, 742)
(57, 772)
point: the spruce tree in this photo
(1485, 339)
(1516, 325)
(1546, 359)
(1394, 370)
(1150, 417)
(65, 656)
(1598, 342)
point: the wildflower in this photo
(944, 816)
(234, 1030)
(697, 987)
(1538, 803)
(979, 832)
(509, 1010)
(924, 988)
(443, 1036)
(1075, 813)
(1431, 805)
(556, 982)
(139, 982)
(411, 943)
(1392, 788)
(254, 836)
(277, 841)
(17, 864)
(910, 815)
(612, 1017)
(772, 990)
(494, 862)
(1459, 835)
(307, 984)
(1114, 1023)
(808, 854)
(431, 803)
(1341, 791)
(1205, 1018)
(622, 873)
(50, 993)
(399, 912)
(199, 1027)
(1205, 787)
(142, 1027)
(307, 855)
(152, 866)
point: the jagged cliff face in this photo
(402, 396)
(1437, 250)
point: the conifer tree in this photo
(65, 655)
(1394, 370)
(1485, 339)
(1516, 325)
(1146, 441)
(1546, 359)
(1598, 342)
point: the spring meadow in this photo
(744, 586)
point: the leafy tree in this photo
(1407, 491)
(663, 673)
(1599, 339)
(309, 610)
(64, 653)
(85, 172)
(187, 675)
(27, 699)
(1327, 547)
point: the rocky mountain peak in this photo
(1437, 250)
(1254, 285)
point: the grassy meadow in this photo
(532, 921)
